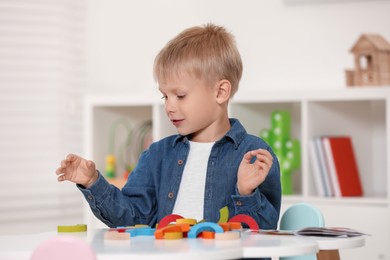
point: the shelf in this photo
(362, 113)
(348, 201)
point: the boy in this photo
(210, 164)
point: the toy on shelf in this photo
(111, 157)
(372, 62)
(132, 142)
(286, 149)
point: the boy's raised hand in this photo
(78, 170)
(251, 175)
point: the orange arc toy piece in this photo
(207, 234)
(251, 222)
(229, 226)
(159, 234)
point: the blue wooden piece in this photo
(200, 227)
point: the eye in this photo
(180, 96)
(164, 97)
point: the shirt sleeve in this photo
(264, 203)
(114, 207)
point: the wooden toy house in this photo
(372, 62)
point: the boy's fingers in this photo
(61, 178)
(64, 163)
(90, 164)
(71, 157)
(59, 171)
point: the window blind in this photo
(42, 79)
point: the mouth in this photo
(177, 122)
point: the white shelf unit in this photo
(362, 113)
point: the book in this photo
(331, 168)
(321, 170)
(312, 231)
(317, 171)
(328, 232)
(342, 166)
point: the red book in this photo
(342, 161)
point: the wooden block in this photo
(74, 228)
(168, 219)
(207, 235)
(159, 234)
(141, 231)
(189, 221)
(246, 219)
(229, 235)
(173, 235)
(114, 235)
(223, 215)
(204, 226)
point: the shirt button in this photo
(90, 197)
(170, 195)
(180, 162)
(239, 203)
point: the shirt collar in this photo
(236, 134)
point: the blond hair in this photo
(207, 52)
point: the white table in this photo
(250, 245)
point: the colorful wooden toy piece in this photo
(141, 231)
(114, 235)
(229, 235)
(173, 235)
(229, 226)
(206, 235)
(74, 228)
(204, 226)
(246, 219)
(159, 233)
(119, 229)
(223, 215)
(168, 219)
(189, 221)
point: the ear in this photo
(223, 90)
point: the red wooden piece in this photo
(168, 219)
(251, 222)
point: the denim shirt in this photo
(151, 189)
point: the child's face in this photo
(191, 105)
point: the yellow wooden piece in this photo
(74, 228)
(229, 235)
(189, 221)
(141, 226)
(223, 215)
(173, 235)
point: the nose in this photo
(170, 106)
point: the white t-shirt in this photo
(190, 199)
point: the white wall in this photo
(285, 44)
